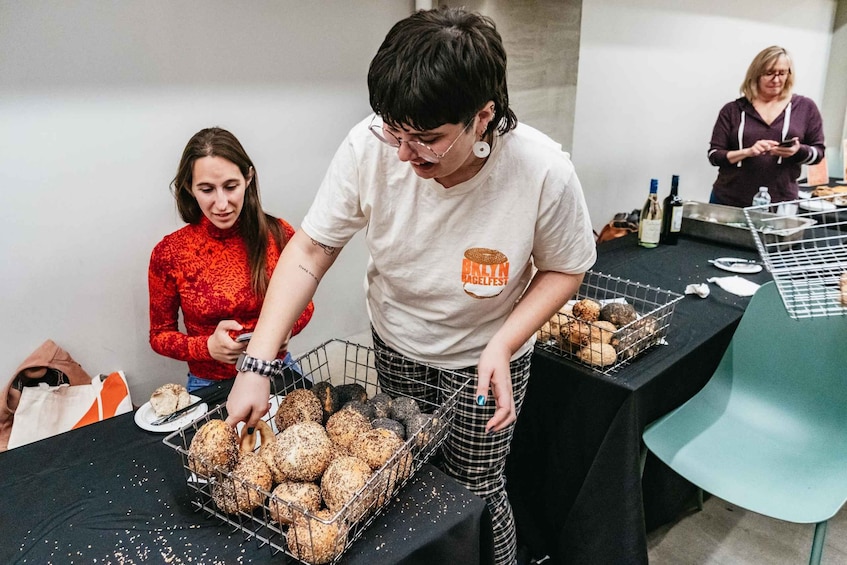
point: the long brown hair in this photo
(254, 225)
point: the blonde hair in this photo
(761, 64)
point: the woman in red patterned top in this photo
(216, 269)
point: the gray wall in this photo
(97, 100)
(542, 43)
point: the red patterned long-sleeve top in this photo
(204, 271)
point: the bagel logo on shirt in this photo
(485, 272)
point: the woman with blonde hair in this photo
(764, 137)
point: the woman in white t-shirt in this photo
(477, 231)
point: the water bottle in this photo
(762, 198)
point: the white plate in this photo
(145, 415)
(817, 205)
(726, 263)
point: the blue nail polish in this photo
(480, 400)
(250, 431)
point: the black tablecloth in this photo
(113, 493)
(573, 473)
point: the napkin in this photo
(700, 289)
(736, 285)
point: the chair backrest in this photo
(794, 366)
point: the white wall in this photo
(97, 101)
(834, 107)
(653, 75)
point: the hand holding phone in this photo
(788, 142)
(244, 337)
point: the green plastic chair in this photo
(768, 432)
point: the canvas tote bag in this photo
(45, 411)
(50, 393)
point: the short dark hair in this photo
(440, 66)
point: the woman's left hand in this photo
(494, 374)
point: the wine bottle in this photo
(650, 224)
(672, 214)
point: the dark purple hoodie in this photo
(739, 125)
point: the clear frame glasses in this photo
(424, 151)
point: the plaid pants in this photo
(471, 456)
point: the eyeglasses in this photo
(772, 73)
(424, 151)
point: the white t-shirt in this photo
(447, 266)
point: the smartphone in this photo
(244, 337)
(787, 143)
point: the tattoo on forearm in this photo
(308, 272)
(327, 249)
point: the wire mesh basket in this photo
(597, 344)
(802, 244)
(322, 536)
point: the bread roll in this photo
(344, 427)
(303, 451)
(300, 405)
(314, 541)
(587, 309)
(214, 444)
(306, 496)
(169, 398)
(376, 446)
(345, 477)
(240, 491)
(598, 354)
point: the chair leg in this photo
(817, 543)
(699, 499)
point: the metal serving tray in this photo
(728, 224)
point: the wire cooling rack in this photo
(320, 538)
(653, 305)
(802, 244)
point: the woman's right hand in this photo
(761, 147)
(221, 346)
(248, 399)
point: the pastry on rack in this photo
(376, 446)
(316, 540)
(344, 478)
(215, 444)
(344, 427)
(618, 313)
(299, 405)
(302, 451)
(842, 287)
(587, 309)
(242, 490)
(303, 495)
(598, 354)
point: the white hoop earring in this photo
(481, 149)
